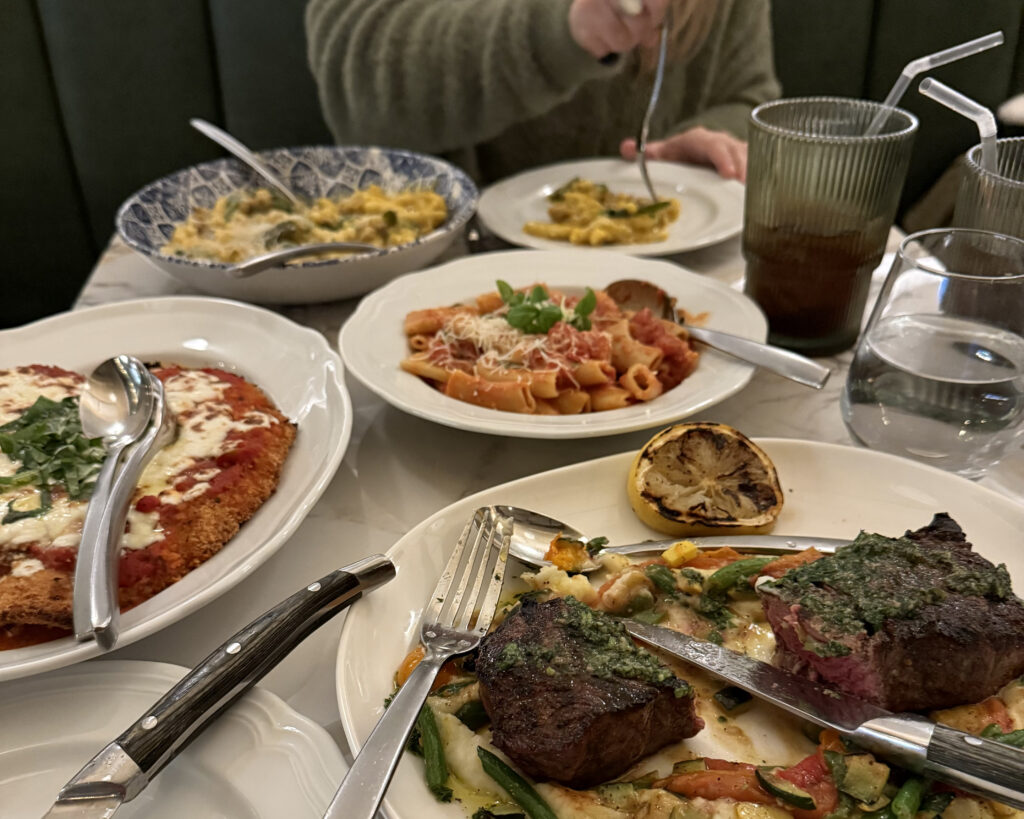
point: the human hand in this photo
(602, 27)
(698, 146)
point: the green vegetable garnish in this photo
(433, 755)
(535, 312)
(48, 442)
(1014, 738)
(515, 786)
(646, 210)
(596, 544)
(558, 194)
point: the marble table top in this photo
(389, 481)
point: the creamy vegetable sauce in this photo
(724, 611)
(244, 224)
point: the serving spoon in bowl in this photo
(241, 152)
(634, 294)
(532, 533)
(266, 261)
(116, 406)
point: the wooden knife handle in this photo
(981, 766)
(233, 668)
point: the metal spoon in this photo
(634, 294)
(240, 151)
(117, 406)
(532, 533)
(257, 264)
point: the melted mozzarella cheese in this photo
(205, 422)
(19, 391)
(63, 519)
(26, 567)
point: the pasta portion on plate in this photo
(587, 213)
(244, 224)
(543, 352)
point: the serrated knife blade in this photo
(973, 764)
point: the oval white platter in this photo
(292, 364)
(830, 491)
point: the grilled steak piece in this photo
(909, 623)
(572, 699)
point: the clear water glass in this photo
(938, 374)
(821, 196)
(993, 201)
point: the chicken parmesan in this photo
(223, 463)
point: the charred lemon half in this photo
(704, 479)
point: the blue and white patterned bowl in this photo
(148, 218)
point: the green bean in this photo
(515, 786)
(662, 578)
(908, 799)
(473, 715)
(433, 755)
(732, 575)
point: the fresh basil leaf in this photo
(538, 294)
(586, 305)
(505, 291)
(521, 316)
(19, 514)
(548, 317)
(48, 442)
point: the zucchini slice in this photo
(784, 789)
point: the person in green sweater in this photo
(499, 86)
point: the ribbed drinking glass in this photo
(993, 201)
(821, 197)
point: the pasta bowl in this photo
(146, 221)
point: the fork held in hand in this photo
(645, 126)
(455, 619)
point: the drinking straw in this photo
(922, 64)
(985, 119)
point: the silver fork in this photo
(456, 617)
(645, 126)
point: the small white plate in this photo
(831, 491)
(260, 759)
(711, 208)
(292, 364)
(372, 341)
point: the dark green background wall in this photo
(95, 97)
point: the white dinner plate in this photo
(372, 341)
(710, 207)
(292, 364)
(260, 760)
(830, 490)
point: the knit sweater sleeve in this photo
(741, 72)
(438, 75)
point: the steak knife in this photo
(119, 772)
(980, 766)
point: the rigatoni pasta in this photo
(539, 351)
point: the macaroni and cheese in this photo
(587, 213)
(244, 224)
